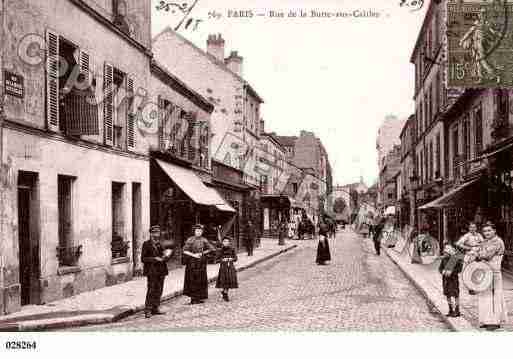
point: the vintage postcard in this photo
(254, 166)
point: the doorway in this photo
(136, 222)
(28, 237)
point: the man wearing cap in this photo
(155, 269)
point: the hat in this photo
(477, 276)
(155, 228)
(198, 226)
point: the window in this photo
(421, 165)
(295, 187)
(502, 101)
(466, 138)
(120, 113)
(70, 96)
(119, 10)
(118, 220)
(438, 172)
(455, 150)
(431, 161)
(67, 253)
(478, 130)
(118, 108)
(426, 111)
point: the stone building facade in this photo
(67, 219)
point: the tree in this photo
(339, 205)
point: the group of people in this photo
(154, 258)
(487, 248)
(195, 254)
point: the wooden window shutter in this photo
(160, 103)
(52, 81)
(108, 103)
(130, 125)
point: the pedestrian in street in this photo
(300, 230)
(282, 232)
(251, 236)
(227, 277)
(196, 280)
(378, 231)
(155, 270)
(323, 248)
(450, 267)
(492, 305)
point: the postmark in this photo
(480, 44)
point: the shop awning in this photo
(226, 208)
(452, 197)
(193, 187)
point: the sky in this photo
(338, 77)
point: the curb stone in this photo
(114, 314)
(456, 324)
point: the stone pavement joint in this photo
(103, 305)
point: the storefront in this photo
(179, 199)
(275, 208)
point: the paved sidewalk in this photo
(113, 303)
(429, 282)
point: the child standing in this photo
(450, 267)
(227, 277)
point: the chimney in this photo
(215, 46)
(234, 62)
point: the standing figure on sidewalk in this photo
(378, 230)
(251, 237)
(227, 277)
(492, 306)
(195, 249)
(470, 241)
(450, 268)
(155, 270)
(323, 248)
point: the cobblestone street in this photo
(357, 291)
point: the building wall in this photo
(484, 101)
(220, 86)
(92, 211)
(29, 146)
(62, 16)
(388, 137)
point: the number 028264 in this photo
(20, 345)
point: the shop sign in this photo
(13, 84)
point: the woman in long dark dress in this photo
(227, 277)
(323, 248)
(196, 281)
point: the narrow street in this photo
(357, 291)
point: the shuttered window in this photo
(52, 81)
(130, 126)
(108, 103)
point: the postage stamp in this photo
(480, 43)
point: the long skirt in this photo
(323, 251)
(227, 277)
(195, 283)
(492, 306)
